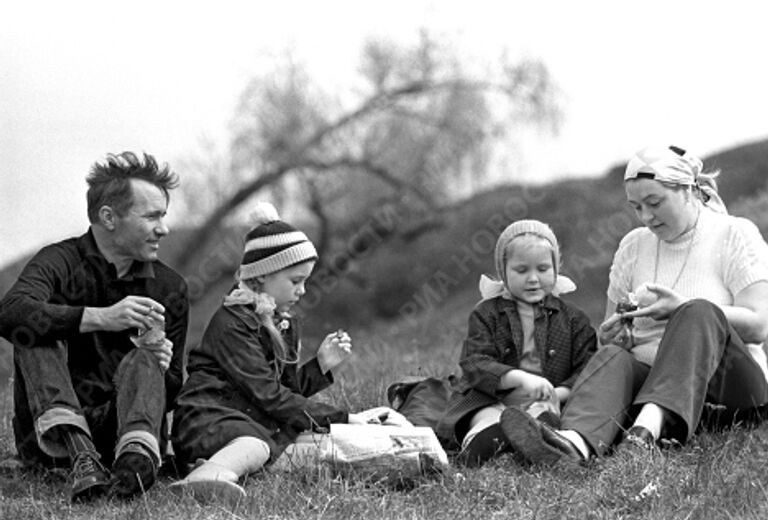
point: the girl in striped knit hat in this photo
(246, 397)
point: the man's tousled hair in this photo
(109, 181)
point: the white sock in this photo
(651, 417)
(577, 440)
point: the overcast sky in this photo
(79, 79)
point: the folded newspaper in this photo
(371, 451)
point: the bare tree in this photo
(418, 125)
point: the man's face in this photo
(137, 234)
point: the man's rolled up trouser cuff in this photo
(49, 435)
(146, 439)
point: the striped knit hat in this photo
(273, 244)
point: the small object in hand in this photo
(643, 296)
(626, 306)
(339, 336)
(149, 337)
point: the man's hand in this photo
(163, 352)
(137, 312)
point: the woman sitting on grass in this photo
(524, 347)
(245, 399)
(700, 278)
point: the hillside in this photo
(407, 276)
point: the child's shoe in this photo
(536, 441)
(485, 445)
(211, 482)
(550, 419)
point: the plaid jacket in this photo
(564, 338)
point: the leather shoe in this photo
(536, 441)
(488, 443)
(135, 470)
(550, 419)
(641, 437)
(90, 479)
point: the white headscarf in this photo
(673, 165)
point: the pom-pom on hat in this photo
(273, 244)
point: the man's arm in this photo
(29, 312)
(137, 312)
(37, 309)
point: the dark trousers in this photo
(700, 358)
(107, 406)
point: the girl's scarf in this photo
(263, 303)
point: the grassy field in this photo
(721, 474)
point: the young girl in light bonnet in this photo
(524, 346)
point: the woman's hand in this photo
(334, 350)
(667, 301)
(536, 387)
(617, 332)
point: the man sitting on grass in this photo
(98, 326)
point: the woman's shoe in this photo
(536, 441)
(641, 437)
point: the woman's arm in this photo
(749, 312)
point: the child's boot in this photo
(216, 478)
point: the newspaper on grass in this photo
(370, 451)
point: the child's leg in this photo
(485, 439)
(217, 477)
